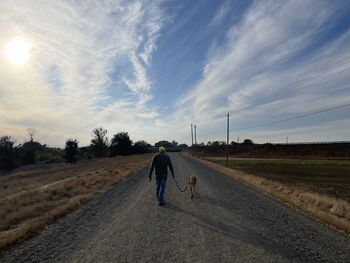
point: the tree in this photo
(164, 144)
(120, 144)
(7, 153)
(99, 143)
(217, 143)
(71, 150)
(29, 151)
(248, 141)
(31, 132)
(140, 147)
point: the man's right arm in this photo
(151, 169)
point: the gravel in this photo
(226, 221)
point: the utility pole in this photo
(192, 139)
(286, 139)
(195, 139)
(228, 137)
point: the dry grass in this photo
(331, 210)
(33, 197)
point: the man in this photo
(161, 162)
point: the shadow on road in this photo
(218, 226)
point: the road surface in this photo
(226, 221)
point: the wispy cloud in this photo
(221, 13)
(92, 64)
(78, 49)
(274, 63)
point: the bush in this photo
(99, 144)
(120, 144)
(85, 152)
(140, 147)
(51, 155)
(248, 141)
(7, 153)
(71, 150)
(163, 143)
(29, 152)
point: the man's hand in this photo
(150, 177)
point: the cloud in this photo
(221, 13)
(275, 63)
(90, 66)
(140, 82)
(84, 55)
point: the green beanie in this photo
(161, 149)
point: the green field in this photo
(279, 162)
(330, 177)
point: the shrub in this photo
(99, 144)
(120, 144)
(163, 143)
(51, 155)
(140, 147)
(71, 150)
(248, 141)
(7, 153)
(29, 151)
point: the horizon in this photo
(281, 69)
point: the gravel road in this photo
(226, 221)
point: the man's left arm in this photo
(171, 166)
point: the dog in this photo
(192, 180)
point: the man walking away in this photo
(161, 162)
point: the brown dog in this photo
(192, 180)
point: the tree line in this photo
(31, 152)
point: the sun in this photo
(17, 51)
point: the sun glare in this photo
(17, 51)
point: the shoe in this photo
(161, 203)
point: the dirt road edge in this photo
(74, 192)
(333, 211)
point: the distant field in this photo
(33, 196)
(259, 161)
(330, 177)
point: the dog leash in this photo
(179, 186)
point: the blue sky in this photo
(152, 68)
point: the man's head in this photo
(162, 149)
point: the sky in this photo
(153, 68)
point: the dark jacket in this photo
(161, 162)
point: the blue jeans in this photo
(161, 181)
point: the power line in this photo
(300, 83)
(292, 118)
(323, 71)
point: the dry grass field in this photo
(262, 175)
(33, 196)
